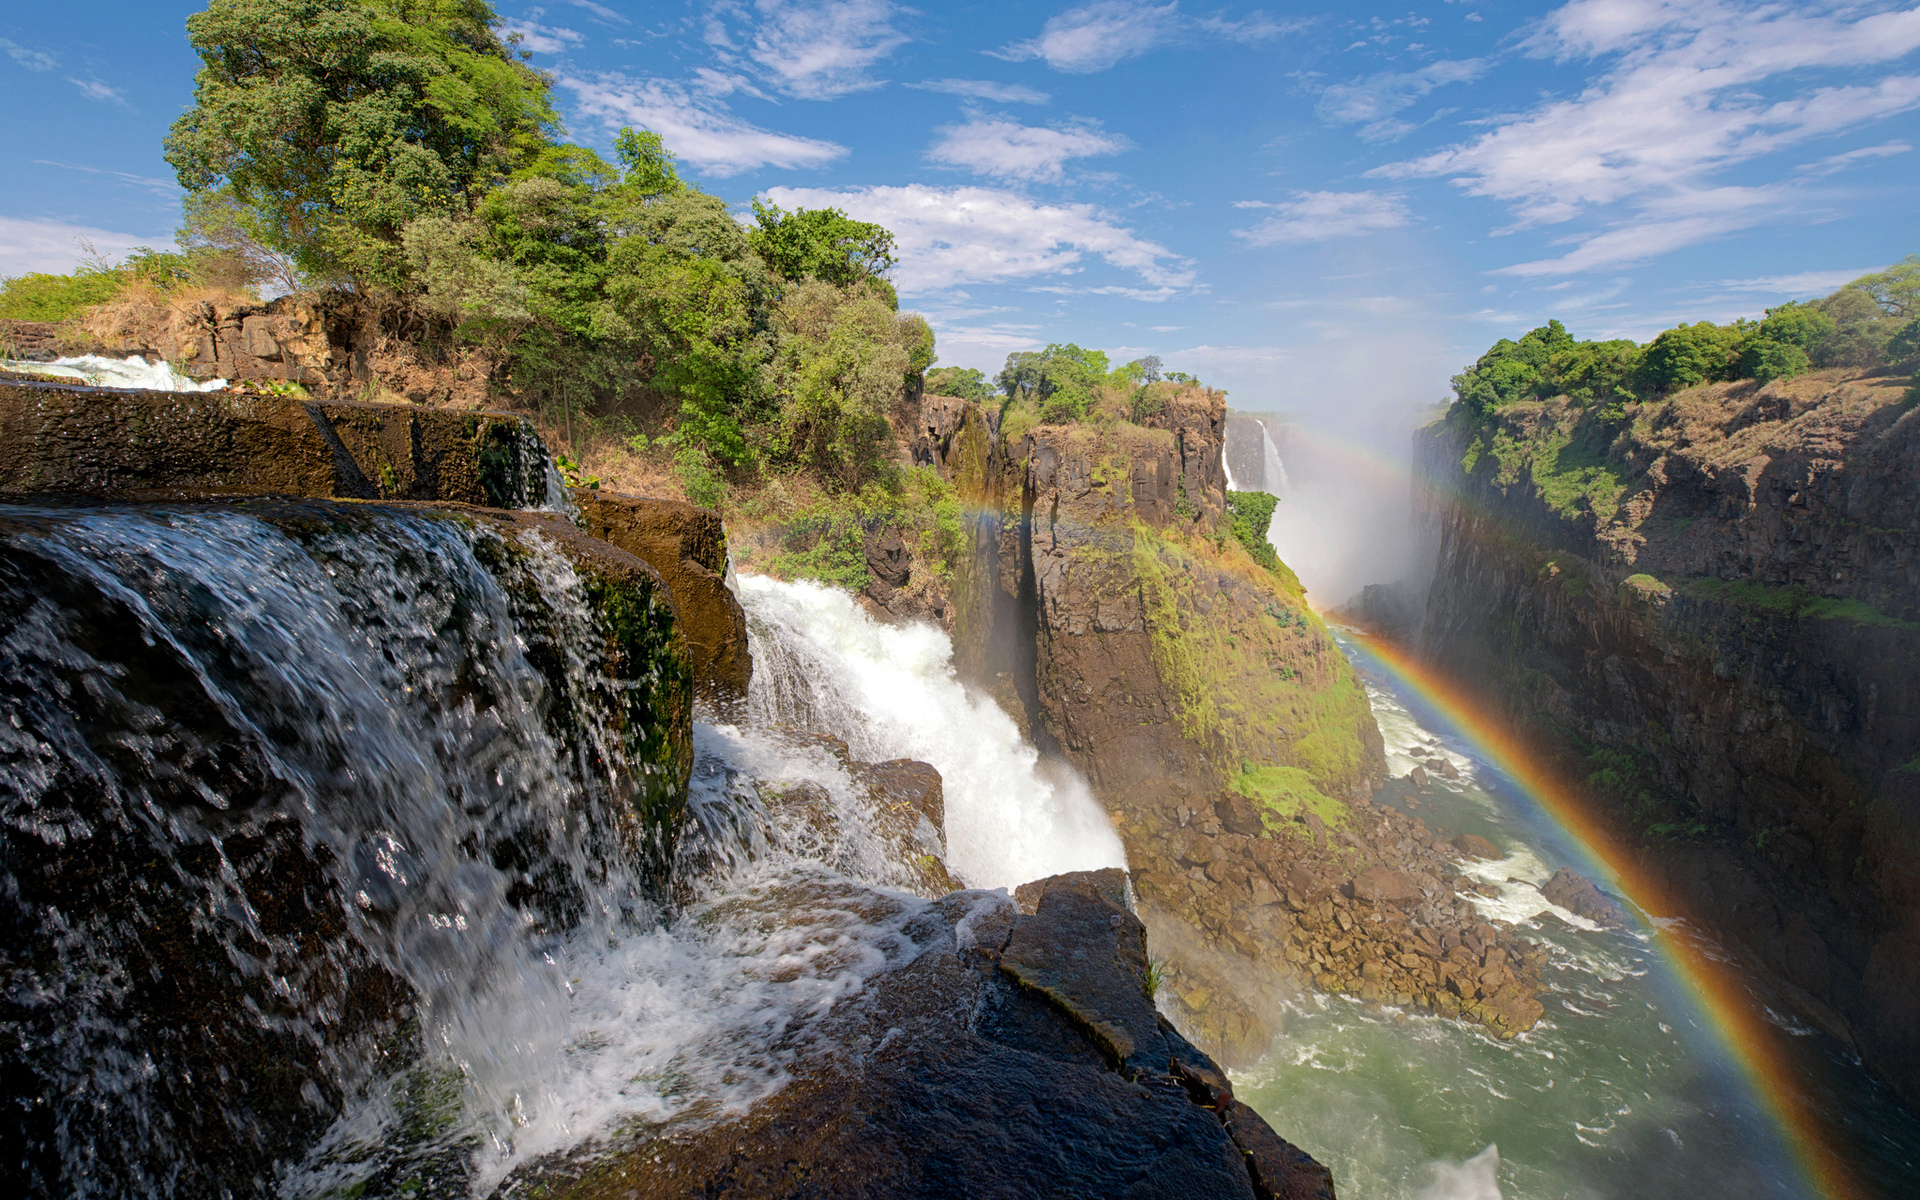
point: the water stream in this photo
(1622, 1090)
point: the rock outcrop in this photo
(1011, 1054)
(1217, 720)
(688, 546)
(1709, 608)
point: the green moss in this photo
(1795, 602)
(1911, 766)
(1286, 792)
(1265, 686)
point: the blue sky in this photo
(1317, 207)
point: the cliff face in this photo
(1710, 609)
(1102, 605)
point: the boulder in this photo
(688, 546)
(1577, 895)
(1383, 884)
(1238, 815)
(1419, 776)
(1472, 845)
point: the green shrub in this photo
(1250, 514)
(38, 296)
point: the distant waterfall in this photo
(1273, 474)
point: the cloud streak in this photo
(1106, 33)
(699, 129)
(1007, 149)
(1324, 216)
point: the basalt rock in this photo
(1717, 597)
(968, 1081)
(115, 444)
(688, 546)
(1101, 604)
(201, 864)
(1472, 845)
(1577, 895)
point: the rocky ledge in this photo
(1013, 1054)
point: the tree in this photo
(821, 243)
(1688, 354)
(964, 382)
(339, 121)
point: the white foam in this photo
(131, 372)
(1478, 1178)
(891, 692)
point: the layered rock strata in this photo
(1709, 608)
(1010, 1054)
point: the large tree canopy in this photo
(339, 121)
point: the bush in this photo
(38, 296)
(1250, 515)
(1767, 360)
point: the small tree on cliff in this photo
(339, 121)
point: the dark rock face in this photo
(149, 445)
(1472, 845)
(1096, 606)
(688, 546)
(1734, 623)
(1577, 895)
(969, 1081)
(214, 821)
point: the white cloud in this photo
(827, 48)
(32, 60)
(1805, 283)
(1009, 150)
(1320, 216)
(93, 89)
(541, 39)
(983, 89)
(601, 11)
(950, 237)
(699, 130)
(1683, 101)
(54, 246)
(1096, 36)
(166, 188)
(1372, 102)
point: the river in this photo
(1625, 1088)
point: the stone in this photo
(1419, 776)
(688, 546)
(1383, 884)
(1472, 845)
(1573, 892)
(954, 1057)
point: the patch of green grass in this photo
(1796, 602)
(1573, 474)
(1911, 766)
(1286, 792)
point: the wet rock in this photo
(1577, 895)
(1419, 776)
(109, 444)
(1472, 845)
(688, 546)
(1447, 769)
(950, 1057)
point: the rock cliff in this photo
(1708, 607)
(1232, 743)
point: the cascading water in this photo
(321, 862)
(890, 692)
(130, 372)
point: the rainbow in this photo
(1732, 1012)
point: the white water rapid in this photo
(130, 372)
(890, 692)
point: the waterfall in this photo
(317, 849)
(890, 692)
(1273, 474)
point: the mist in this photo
(1342, 412)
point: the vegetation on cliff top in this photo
(1872, 322)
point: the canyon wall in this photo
(1103, 605)
(1708, 609)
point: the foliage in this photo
(339, 121)
(1249, 514)
(1060, 381)
(823, 244)
(37, 296)
(1867, 323)
(841, 356)
(964, 382)
(1285, 792)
